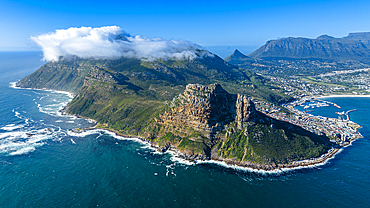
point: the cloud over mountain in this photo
(110, 42)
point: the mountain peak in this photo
(237, 56)
(325, 37)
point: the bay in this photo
(43, 164)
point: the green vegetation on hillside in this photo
(126, 113)
(266, 144)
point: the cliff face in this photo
(209, 122)
(102, 75)
(105, 80)
(364, 37)
(245, 110)
(208, 109)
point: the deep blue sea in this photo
(42, 164)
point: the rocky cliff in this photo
(102, 75)
(106, 80)
(208, 122)
(208, 109)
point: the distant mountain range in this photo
(304, 55)
(355, 46)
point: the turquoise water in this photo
(42, 164)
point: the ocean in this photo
(43, 164)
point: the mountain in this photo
(156, 99)
(323, 47)
(292, 56)
(208, 122)
(363, 37)
(67, 75)
(238, 58)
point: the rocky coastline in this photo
(196, 158)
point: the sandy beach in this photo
(337, 96)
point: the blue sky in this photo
(226, 24)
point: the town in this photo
(340, 130)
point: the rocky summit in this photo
(208, 109)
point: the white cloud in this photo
(110, 42)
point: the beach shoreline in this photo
(340, 96)
(69, 94)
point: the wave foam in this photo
(22, 151)
(13, 85)
(11, 127)
(82, 134)
(116, 136)
(22, 142)
(48, 109)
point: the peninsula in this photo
(204, 108)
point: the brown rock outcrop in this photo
(245, 110)
(208, 108)
(102, 75)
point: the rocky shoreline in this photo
(254, 166)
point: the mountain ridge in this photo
(324, 47)
(299, 55)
